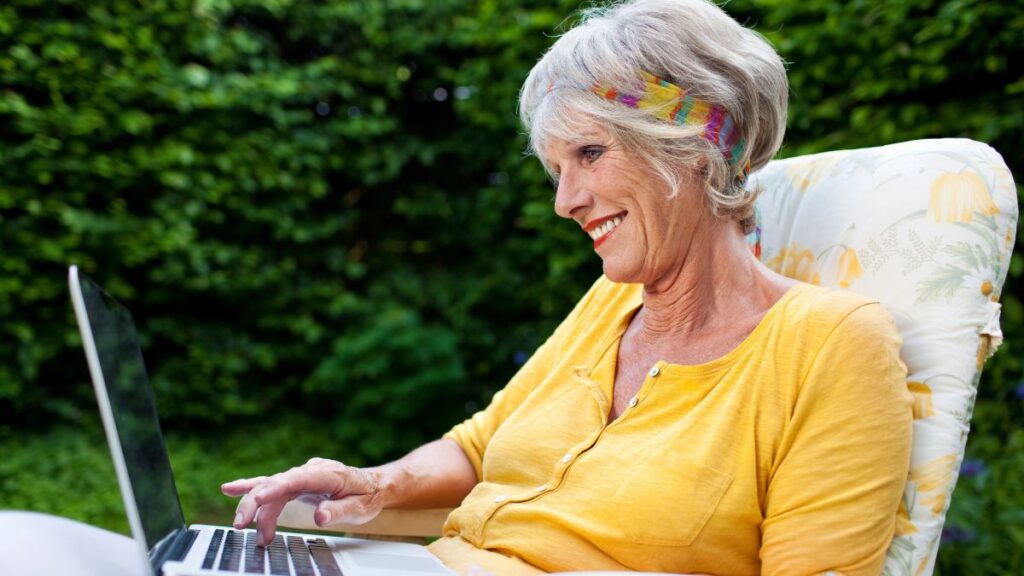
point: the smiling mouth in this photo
(601, 229)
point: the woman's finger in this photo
(279, 489)
(240, 513)
(318, 479)
(245, 513)
(266, 521)
(241, 486)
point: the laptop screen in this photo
(134, 414)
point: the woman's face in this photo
(641, 234)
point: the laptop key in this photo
(211, 552)
(324, 558)
(232, 555)
(300, 556)
(278, 556)
(254, 555)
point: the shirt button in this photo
(542, 488)
(654, 372)
(567, 458)
(500, 499)
(633, 402)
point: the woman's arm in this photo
(842, 465)
(437, 474)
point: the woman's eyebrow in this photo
(582, 141)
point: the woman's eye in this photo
(591, 153)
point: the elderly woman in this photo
(696, 412)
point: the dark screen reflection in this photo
(131, 400)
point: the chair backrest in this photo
(927, 228)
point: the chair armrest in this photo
(393, 522)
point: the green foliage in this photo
(68, 471)
(320, 206)
(985, 526)
(62, 472)
(323, 208)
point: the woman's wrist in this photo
(388, 482)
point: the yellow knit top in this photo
(787, 455)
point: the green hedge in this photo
(322, 207)
(314, 205)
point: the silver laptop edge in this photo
(113, 439)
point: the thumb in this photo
(352, 509)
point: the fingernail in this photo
(326, 515)
(238, 520)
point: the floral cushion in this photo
(927, 228)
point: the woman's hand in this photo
(434, 475)
(341, 494)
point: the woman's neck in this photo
(718, 286)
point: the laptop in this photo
(166, 546)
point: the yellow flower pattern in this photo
(922, 395)
(796, 262)
(956, 197)
(849, 268)
(932, 479)
(805, 174)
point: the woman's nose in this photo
(571, 195)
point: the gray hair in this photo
(692, 44)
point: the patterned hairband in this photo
(669, 102)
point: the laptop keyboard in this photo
(237, 552)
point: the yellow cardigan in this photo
(788, 455)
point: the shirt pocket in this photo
(667, 499)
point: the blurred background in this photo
(320, 214)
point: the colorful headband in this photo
(669, 102)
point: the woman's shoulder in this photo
(826, 309)
(838, 334)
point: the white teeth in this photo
(605, 228)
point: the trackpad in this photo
(396, 562)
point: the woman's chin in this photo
(617, 273)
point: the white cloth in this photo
(34, 544)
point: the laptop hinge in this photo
(174, 548)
